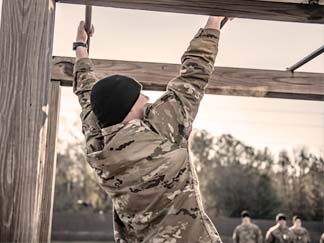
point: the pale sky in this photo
(163, 37)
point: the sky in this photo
(163, 37)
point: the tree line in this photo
(233, 177)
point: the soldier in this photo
(280, 232)
(299, 233)
(247, 232)
(139, 151)
(322, 238)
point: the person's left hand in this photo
(82, 35)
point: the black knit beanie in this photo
(113, 97)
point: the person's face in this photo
(143, 99)
(137, 111)
(246, 220)
(282, 223)
(298, 223)
(140, 105)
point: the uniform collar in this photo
(112, 130)
(107, 131)
(147, 108)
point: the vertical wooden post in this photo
(26, 37)
(50, 162)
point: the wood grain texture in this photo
(320, 2)
(50, 162)
(278, 10)
(225, 80)
(26, 35)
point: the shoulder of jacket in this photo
(255, 226)
(273, 228)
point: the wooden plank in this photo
(225, 80)
(278, 10)
(50, 161)
(319, 2)
(26, 34)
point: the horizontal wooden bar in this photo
(224, 81)
(320, 2)
(306, 11)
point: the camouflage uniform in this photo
(299, 235)
(247, 233)
(144, 165)
(277, 234)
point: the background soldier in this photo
(247, 232)
(280, 232)
(322, 238)
(299, 233)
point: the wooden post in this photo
(26, 37)
(50, 161)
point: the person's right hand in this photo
(214, 22)
(82, 35)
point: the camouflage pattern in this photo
(247, 233)
(277, 234)
(299, 235)
(144, 165)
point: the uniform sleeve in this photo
(269, 237)
(173, 113)
(308, 237)
(235, 236)
(84, 79)
(259, 236)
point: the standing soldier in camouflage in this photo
(247, 232)
(299, 233)
(139, 151)
(280, 232)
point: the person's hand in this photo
(214, 22)
(82, 35)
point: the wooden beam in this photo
(225, 80)
(320, 2)
(26, 35)
(50, 161)
(307, 11)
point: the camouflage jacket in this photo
(247, 233)
(299, 235)
(278, 234)
(144, 165)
